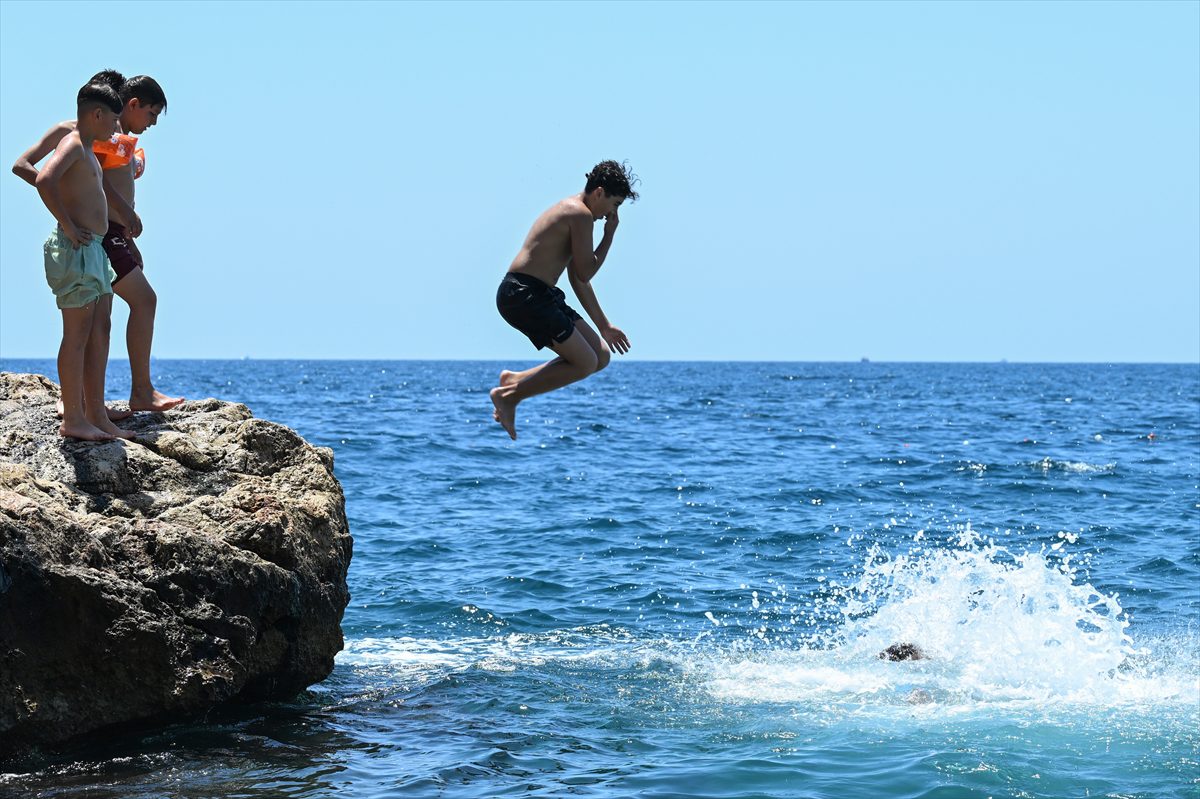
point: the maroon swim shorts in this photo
(122, 252)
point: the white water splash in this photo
(1074, 467)
(1001, 629)
(423, 660)
(996, 626)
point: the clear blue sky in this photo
(943, 181)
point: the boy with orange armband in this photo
(142, 101)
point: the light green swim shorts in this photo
(77, 276)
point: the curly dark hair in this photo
(98, 94)
(614, 178)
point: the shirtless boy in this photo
(561, 238)
(71, 186)
(142, 101)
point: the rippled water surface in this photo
(677, 582)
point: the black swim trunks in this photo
(537, 309)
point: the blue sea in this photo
(676, 583)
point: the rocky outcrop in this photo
(148, 580)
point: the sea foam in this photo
(995, 626)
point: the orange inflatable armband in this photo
(116, 152)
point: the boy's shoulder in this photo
(569, 208)
(60, 131)
(56, 134)
(71, 138)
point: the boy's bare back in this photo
(547, 248)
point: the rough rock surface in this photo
(143, 581)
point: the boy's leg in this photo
(508, 378)
(95, 364)
(576, 360)
(135, 289)
(72, 353)
(598, 345)
(603, 355)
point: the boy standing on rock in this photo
(142, 100)
(77, 269)
(561, 238)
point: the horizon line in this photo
(864, 361)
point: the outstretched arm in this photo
(24, 167)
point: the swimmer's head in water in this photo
(614, 178)
(902, 652)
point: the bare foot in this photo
(83, 431)
(506, 412)
(154, 401)
(113, 414)
(112, 431)
(507, 378)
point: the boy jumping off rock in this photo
(561, 238)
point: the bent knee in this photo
(585, 363)
(136, 292)
(603, 356)
(145, 301)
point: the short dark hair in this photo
(109, 77)
(145, 89)
(98, 94)
(614, 178)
